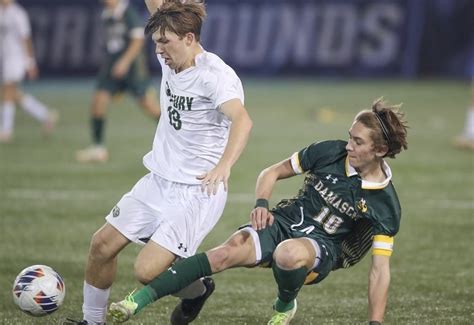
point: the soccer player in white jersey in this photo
(17, 60)
(201, 134)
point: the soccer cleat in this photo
(93, 154)
(188, 309)
(5, 137)
(464, 142)
(283, 318)
(122, 311)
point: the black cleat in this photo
(69, 321)
(188, 309)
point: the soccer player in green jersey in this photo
(347, 204)
(124, 70)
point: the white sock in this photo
(469, 127)
(194, 290)
(95, 304)
(7, 117)
(34, 107)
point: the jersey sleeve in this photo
(227, 86)
(317, 155)
(134, 24)
(24, 27)
(382, 245)
(386, 216)
(385, 211)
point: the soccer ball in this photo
(38, 290)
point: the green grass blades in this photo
(50, 205)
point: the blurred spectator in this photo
(17, 60)
(124, 69)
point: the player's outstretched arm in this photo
(260, 217)
(122, 66)
(32, 68)
(379, 282)
(238, 137)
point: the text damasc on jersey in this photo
(333, 199)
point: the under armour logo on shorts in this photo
(181, 246)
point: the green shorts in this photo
(279, 231)
(137, 81)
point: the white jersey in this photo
(14, 29)
(192, 133)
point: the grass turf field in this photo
(50, 205)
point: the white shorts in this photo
(14, 71)
(174, 215)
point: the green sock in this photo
(283, 307)
(289, 284)
(97, 126)
(178, 276)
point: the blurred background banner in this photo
(355, 38)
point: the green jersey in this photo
(121, 25)
(336, 207)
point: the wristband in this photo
(374, 322)
(261, 203)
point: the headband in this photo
(384, 128)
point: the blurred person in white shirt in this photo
(17, 60)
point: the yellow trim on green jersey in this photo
(382, 245)
(310, 277)
(295, 164)
(381, 252)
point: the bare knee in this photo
(99, 103)
(140, 274)
(238, 250)
(289, 255)
(106, 243)
(144, 272)
(152, 260)
(220, 258)
(99, 250)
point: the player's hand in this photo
(120, 69)
(261, 218)
(32, 72)
(212, 179)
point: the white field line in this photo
(57, 195)
(452, 204)
(87, 195)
